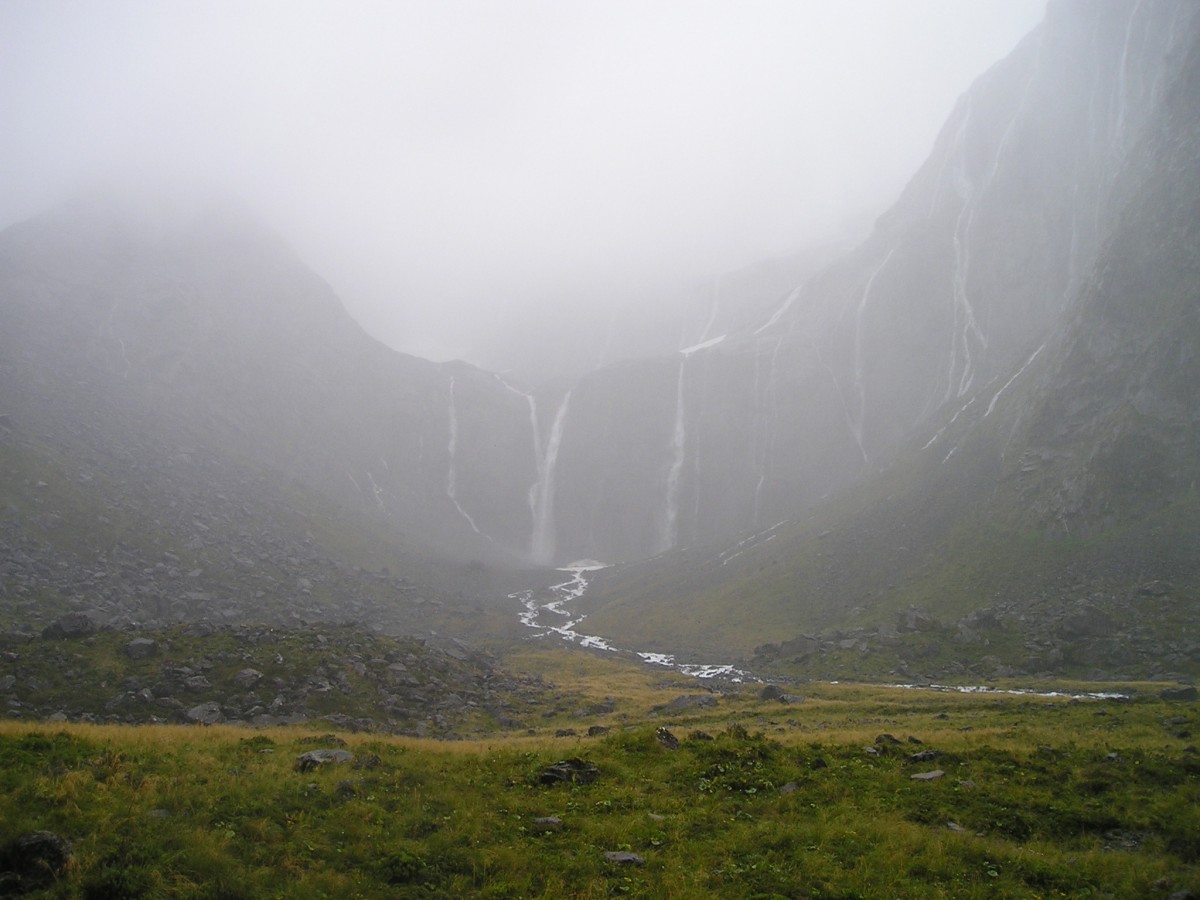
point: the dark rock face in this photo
(33, 861)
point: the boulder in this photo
(570, 771)
(928, 776)
(205, 713)
(141, 648)
(75, 624)
(247, 678)
(309, 760)
(667, 739)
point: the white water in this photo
(543, 542)
(678, 436)
(554, 601)
(1023, 692)
(779, 313)
(451, 471)
(1018, 374)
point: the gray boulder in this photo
(141, 648)
(205, 713)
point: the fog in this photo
(447, 166)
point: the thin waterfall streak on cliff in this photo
(780, 312)
(678, 438)
(1118, 142)
(543, 542)
(376, 490)
(539, 465)
(859, 379)
(451, 467)
(1008, 383)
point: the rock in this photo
(548, 823)
(928, 776)
(76, 624)
(924, 756)
(205, 713)
(667, 739)
(141, 648)
(770, 692)
(597, 730)
(789, 788)
(566, 732)
(247, 678)
(886, 739)
(32, 861)
(1178, 693)
(306, 762)
(624, 858)
(954, 826)
(197, 683)
(571, 771)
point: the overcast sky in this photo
(441, 161)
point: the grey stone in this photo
(1186, 692)
(928, 776)
(205, 713)
(141, 648)
(247, 678)
(311, 759)
(548, 823)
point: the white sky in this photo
(443, 162)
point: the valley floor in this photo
(680, 791)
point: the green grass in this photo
(1048, 798)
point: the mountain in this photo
(1043, 519)
(982, 413)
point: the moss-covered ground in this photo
(1040, 797)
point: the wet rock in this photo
(311, 759)
(570, 771)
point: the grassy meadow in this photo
(1039, 797)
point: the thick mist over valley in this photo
(826, 339)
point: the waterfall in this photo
(451, 472)
(542, 544)
(671, 520)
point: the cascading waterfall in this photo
(543, 542)
(451, 469)
(678, 437)
(967, 332)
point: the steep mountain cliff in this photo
(1045, 520)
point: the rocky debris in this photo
(141, 648)
(928, 776)
(547, 823)
(205, 713)
(667, 739)
(1186, 692)
(33, 861)
(311, 759)
(624, 858)
(569, 771)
